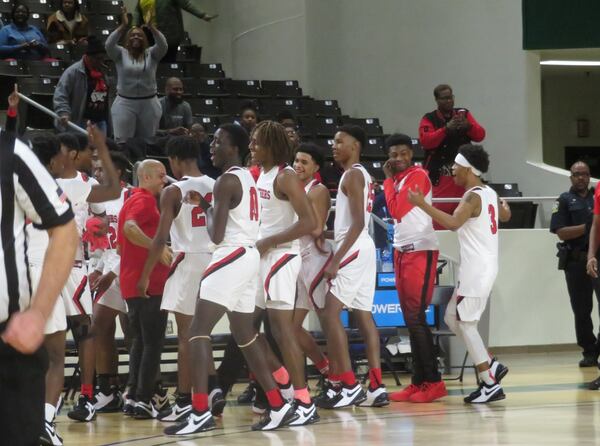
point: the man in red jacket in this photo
(138, 222)
(441, 133)
(415, 262)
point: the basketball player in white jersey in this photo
(285, 216)
(315, 252)
(476, 222)
(229, 284)
(351, 272)
(73, 303)
(185, 221)
(108, 302)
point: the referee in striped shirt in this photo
(27, 191)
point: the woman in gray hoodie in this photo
(136, 111)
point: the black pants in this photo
(147, 324)
(581, 289)
(22, 387)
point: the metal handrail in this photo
(49, 112)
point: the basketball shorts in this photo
(279, 269)
(354, 284)
(183, 283)
(230, 278)
(468, 309)
(112, 297)
(312, 284)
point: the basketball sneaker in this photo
(498, 369)
(216, 402)
(486, 394)
(344, 397)
(276, 418)
(195, 423)
(306, 414)
(259, 406)
(83, 410)
(247, 396)
(595, 384)
(143, 410)
(328, 390)
(287, 391)
(128, 405)
(403, 396)
(178, 412)
(376, 398)
(49, 435)
(113, 402)
(429, 392)
(160, 400)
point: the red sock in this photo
(374, 378)
(323, 366)
(281, 376)
(348, 378)
(302, 395)
(87, 390)
(274, 398)
(200, 401)
(334, 379)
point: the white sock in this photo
(49, 412)
(487, 377)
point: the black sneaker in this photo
(195, 423)
(498, 369)
(589, 361)
(177, 413)
(486, 394)
(113, 402)
(216, 402)
(328, 390)
(83, 410)
(276, 418)
(345, 396)
(160, 400)
(595, 384)
(128, 406)
(248, 394)
(49, 435)
(143, 410)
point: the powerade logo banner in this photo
(386, 280)
(387, 312)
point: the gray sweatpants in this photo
(135, 118)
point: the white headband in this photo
(462, 161)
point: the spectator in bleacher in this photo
(176, 116)
(441, 133)
(21, 41)
(82, 92)
(205, 164)
(68, 24)
(166, 16)
(286, 118)
(136, 111)
(248, 117)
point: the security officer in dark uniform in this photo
(571, 220)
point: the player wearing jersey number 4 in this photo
(476, 222)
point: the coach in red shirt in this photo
(441, 133)
(138, 222)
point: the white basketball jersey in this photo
(306, 241)
(113, 208)
(343, 217)
(243, 220)
(276, 215)
(478, 239)
(188, 231)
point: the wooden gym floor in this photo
(546, 403)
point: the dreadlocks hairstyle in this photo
(273, 137)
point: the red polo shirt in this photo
(141, 207)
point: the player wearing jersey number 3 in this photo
(476, 222)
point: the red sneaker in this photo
(429, 392)
(404, 395)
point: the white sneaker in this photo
(307, 414)
(276, 418)
(175, 413)
(343, 397)
(196, 422)
(376, 398)
(216, 402)
(49, 436)
(486, 394)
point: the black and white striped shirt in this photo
(27, 191)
